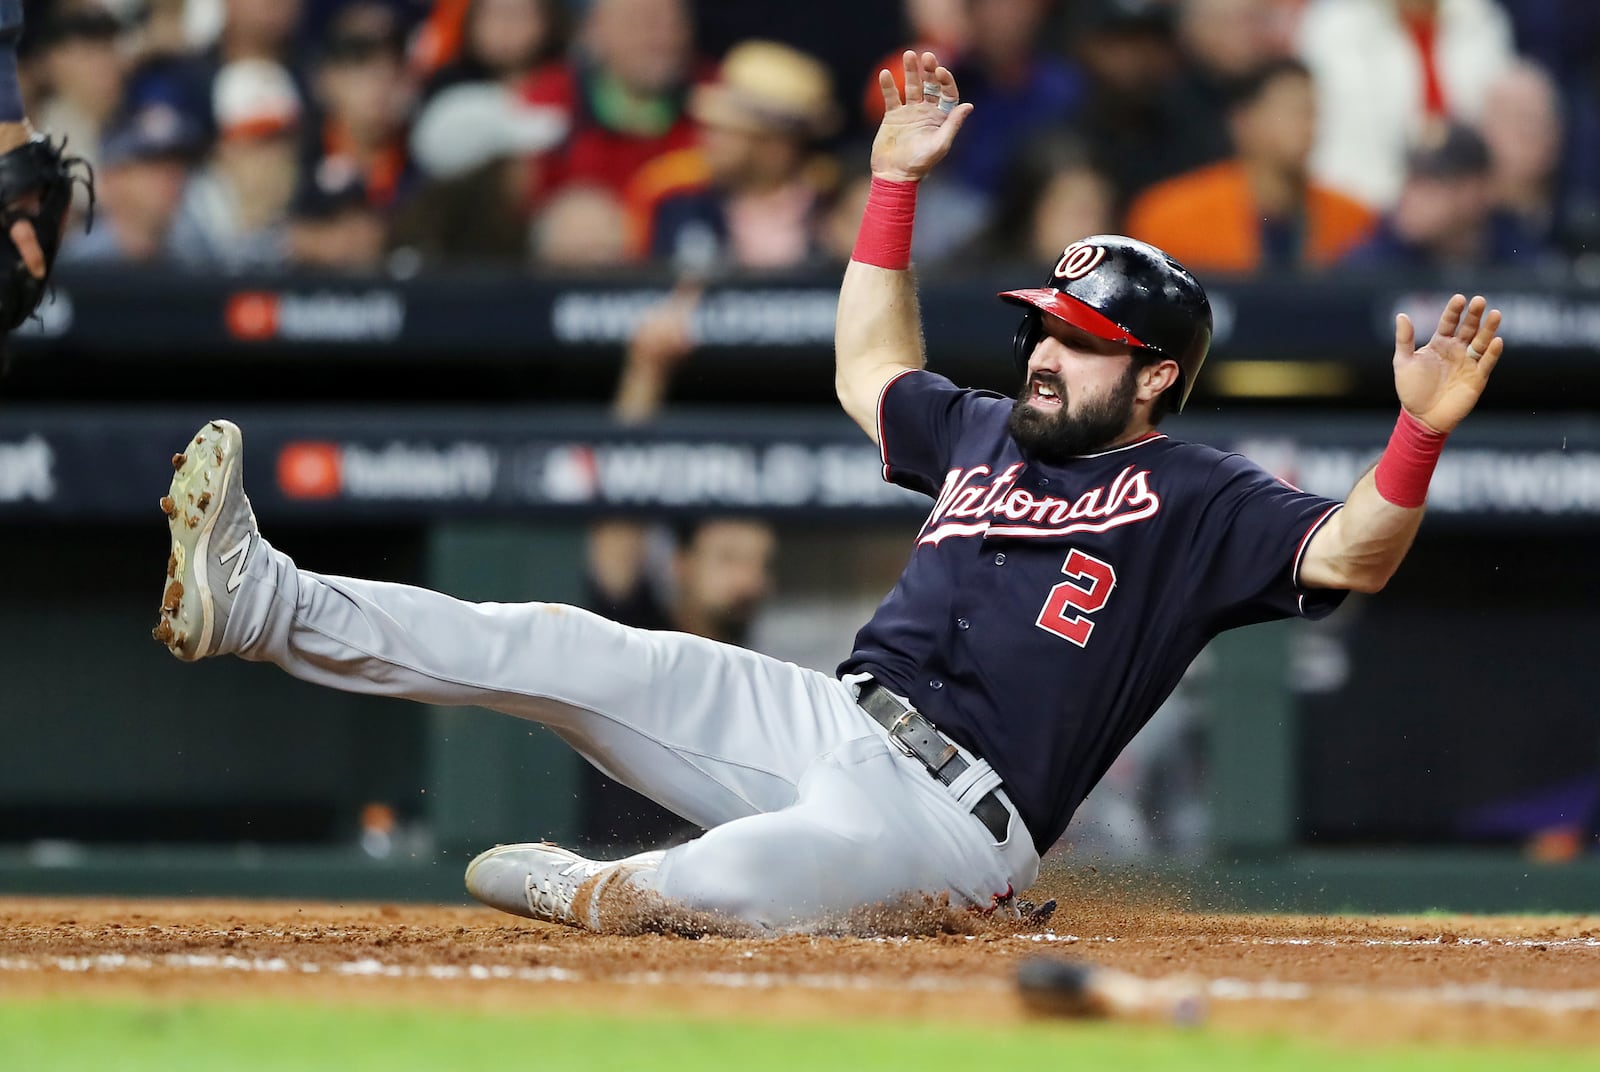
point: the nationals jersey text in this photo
(1007, 510)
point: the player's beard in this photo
(1053, 438)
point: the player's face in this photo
(1078, 395)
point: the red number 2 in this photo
(1071, 595)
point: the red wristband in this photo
(1407, 464)
(885, 236)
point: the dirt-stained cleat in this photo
(539, 880)
(213, 536)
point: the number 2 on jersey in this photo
(1071, 595)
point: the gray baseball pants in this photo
(810, 811)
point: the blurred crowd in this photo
(1241, 135)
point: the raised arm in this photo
(878, 332)
(1363, 544)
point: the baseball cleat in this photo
(538, 880)
(213, 534)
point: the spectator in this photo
(333, 224)
(1019, 86)
(1259, 210)
(83, 65)
(1388, 70)
(234, 211)
(1522, 127)
(144, 161)
(841, 216)
(622, 100)
(162, 32)
(939, 26)
(719, 575)
(1563, 38)
(472, 143)
(1127, 48)
(1015, 83)
(258, 29)
(1054, 195)
(582, 227)
(364, 97)
(1445, 217)
(1227, 39)
(746, 196)
(250, 29)
(1223, 43)
(504, 41)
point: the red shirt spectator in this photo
(595, 153)
(623, 100)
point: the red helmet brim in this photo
(1073, 311)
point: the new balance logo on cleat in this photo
(241, 551)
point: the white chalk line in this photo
(1398, 943)
(1047, 937)
(1225, 989)
(119, 962)
(1494, 994)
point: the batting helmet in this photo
(1126, 291)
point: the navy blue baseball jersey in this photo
(1048, 610)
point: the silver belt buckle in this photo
(894, 732)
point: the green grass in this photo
(36, 1036)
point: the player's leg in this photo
(711, 731)
(868, 827)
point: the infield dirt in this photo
(1357, 979)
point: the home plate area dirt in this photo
(1354, 979)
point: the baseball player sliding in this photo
(1074, 562)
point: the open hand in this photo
(1441, 382)
(916, 132)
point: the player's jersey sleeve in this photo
(921, 416)
(1248, 546)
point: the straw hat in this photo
(765, 87)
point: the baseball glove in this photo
(36, 183)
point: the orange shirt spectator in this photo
(1209, 221)
(1260, 209)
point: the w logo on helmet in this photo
(1079, 260)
